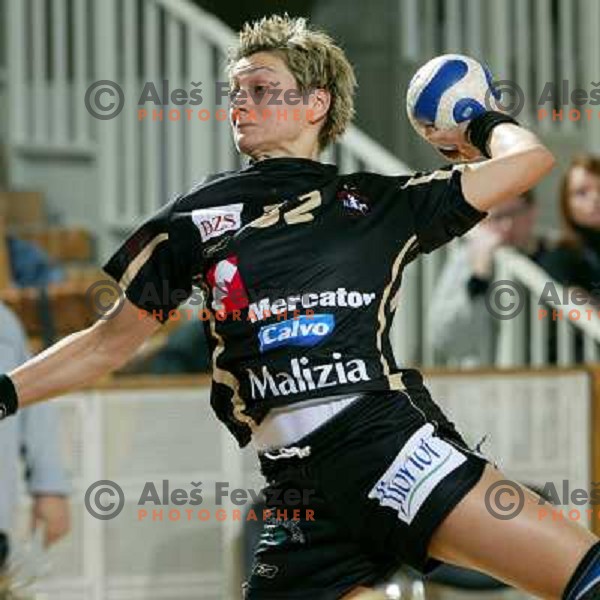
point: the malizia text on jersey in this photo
(304, 377)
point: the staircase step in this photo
(24, 208)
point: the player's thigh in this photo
(535, 554)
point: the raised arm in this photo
(83, 357)
(518, 159)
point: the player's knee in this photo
(585, 581)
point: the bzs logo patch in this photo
(303, 331)
(217, 220)
(422, 463)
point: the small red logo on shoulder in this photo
(228, 290)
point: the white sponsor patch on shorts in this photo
(421, 464)
(217, 220)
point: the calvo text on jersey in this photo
(305, 330)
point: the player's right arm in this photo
(517, 159)
(83, 357)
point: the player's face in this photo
(268, 114)
(584, 197)
(513, 221)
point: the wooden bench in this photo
(69, 304)
(62, 244)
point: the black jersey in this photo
(301, 269)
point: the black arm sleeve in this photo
(155, 264)
(438, 206)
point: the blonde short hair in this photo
(314, 60)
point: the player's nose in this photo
(238, 114)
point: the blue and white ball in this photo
(449, 90)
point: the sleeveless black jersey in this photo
(301, 270)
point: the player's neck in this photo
(311, 152)
(265, 156)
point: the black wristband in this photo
(9, 402)
(480, 129)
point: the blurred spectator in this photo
(185, 350)
(34, 436)
(576, 260)
(460, 329)
(30, 265)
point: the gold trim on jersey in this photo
(140, 260)
(394, 380)
(228, 379)
(440, 174)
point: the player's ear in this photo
(319, 102)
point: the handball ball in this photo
(449, 90)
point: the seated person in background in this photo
(576, 260)
(461, 330)
(184, 351)
(30, 265)
(35, 436)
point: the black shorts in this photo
(378, 479)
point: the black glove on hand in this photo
(8, 397)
